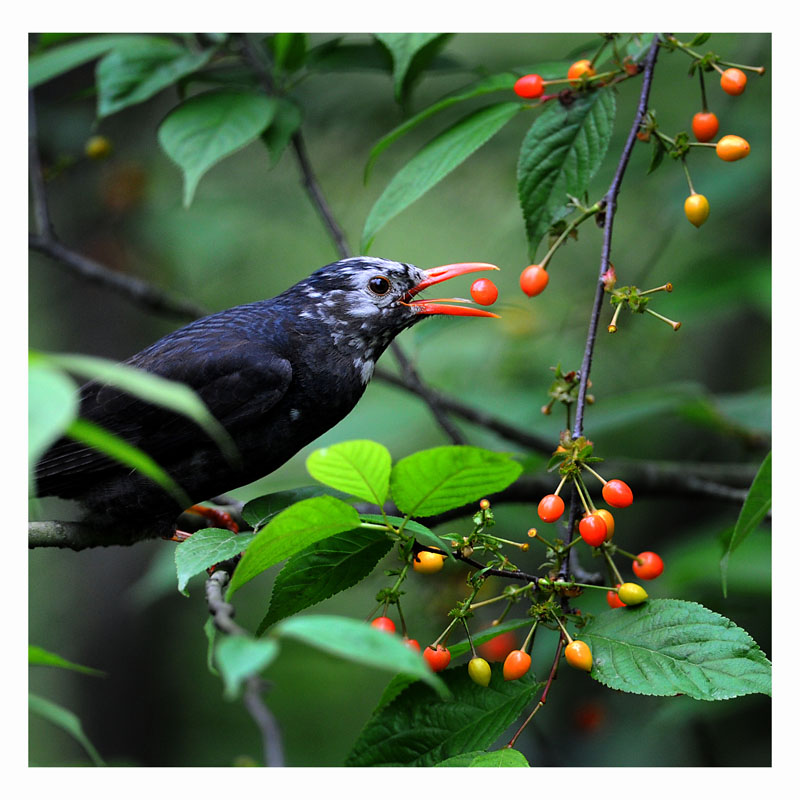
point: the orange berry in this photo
(517, 663)
(383, 624)
(427, 563)
(732, 148)
(533, 280)
(651, 565)
(617, 494)
(551, 507)
(733, 81)
(578, 69)
(605, 515)
(579, 655)
(705, 126)
(483, 291)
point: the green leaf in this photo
(334, 56)
(117, 448)
(136, 73)
(45, 66)
(287, 120)
(288, 50)
(322, 570)
(239, 657)
(669, 647)
(480, 758)
(404, 47)
(756, 505)
(209, 127)
(147, 386)
(41, 657)
(434, 162)
(421, 533)
(459, 648)
(419, 729)
(494, 83)
(442, 478)
(358, 641)
(260, 510)
(52, 406)
(204, 548)
(65, 720)
(360, 468)
(559, 156)
(291, 531)
(657, 155)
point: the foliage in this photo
(217, 94)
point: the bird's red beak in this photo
(439, 274)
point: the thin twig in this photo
(222, 613)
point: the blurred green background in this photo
(699, 395)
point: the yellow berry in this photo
(426, 562)
(98, 147)
(732, 148)
(632, 594)
(696, 209)
(480, 671)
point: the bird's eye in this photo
(379, 285)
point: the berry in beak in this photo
(444, 273)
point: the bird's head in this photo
(376, 292)
(365, 302)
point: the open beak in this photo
(440, 306)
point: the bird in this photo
(276, 373)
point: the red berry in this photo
(411, 644)
(612, 598)
(533, 280)
(483, 291)
(437, 659)
(551, 507)
(705, 126)
(618, 494)
(517, 663)
(593, 530)
(651, 565)
(383, 624)
(733, 81)
(529, 86)
(499, 647)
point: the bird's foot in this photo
(222, 519)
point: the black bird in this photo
(276, 373)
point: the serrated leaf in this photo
(419, 729)
(52, 406)
(494, 83)
(669, 647)
(41, 657)
(322, 570)
(434, 162)
(421, 533)
(291, 531)
(481, 758)
(756, 505)
(133, 74)
(67, 721)
(560, 154)
(239, 657)
(55, 61)
(360, 468)
(209, 127)
(205, 548)
(443, 478)
(358, 641)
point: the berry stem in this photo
(558, 489)
(583, 500)
(667, 287)
(674, 325)
(758, 70)
(563, 629)
(469, 639)
(444, 634)
(599, 477)
(629, 555)
(613, 567)
(612, 326)
(529, 638)
(589, 212)
(703, 90)
(688, 177)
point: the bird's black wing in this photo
(236, 370)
